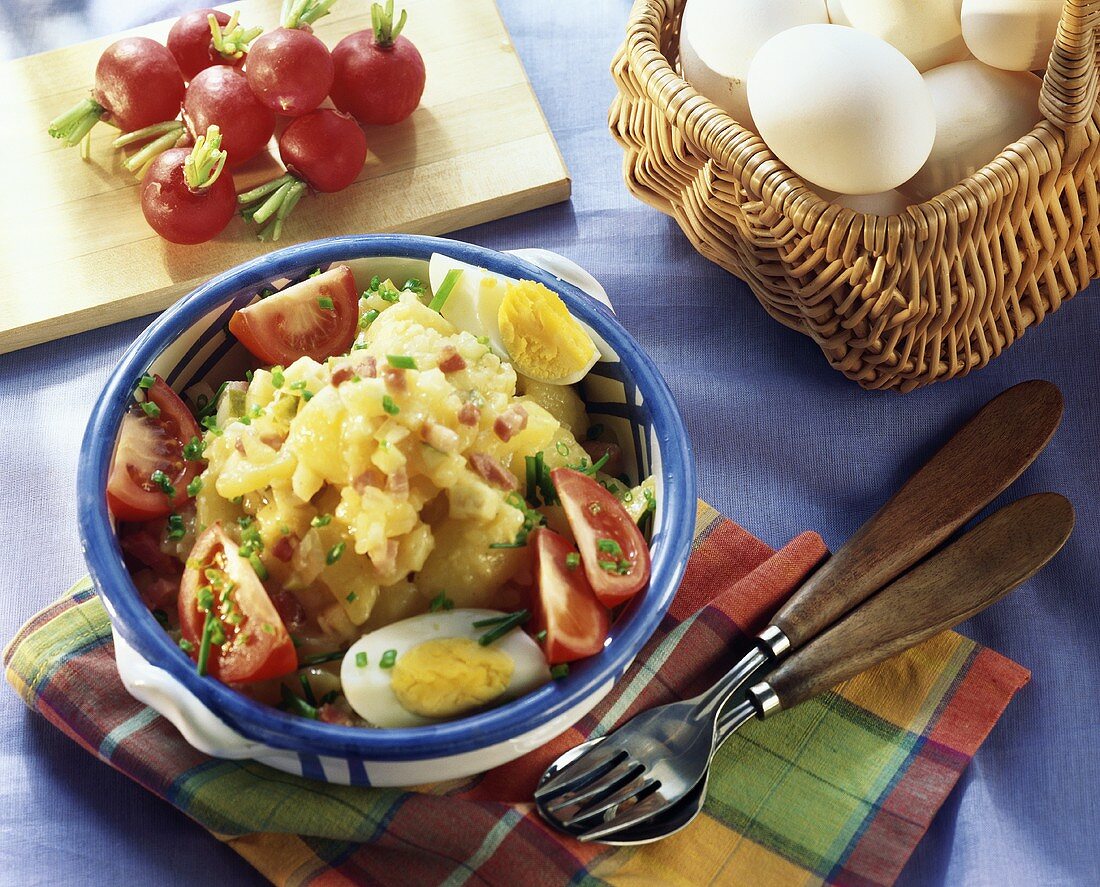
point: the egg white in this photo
(369, 691)
(469, 307)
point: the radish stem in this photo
(271, 203)
(139, 163)
(77, 122)
(148, 132)
(303, 12)
(206, 161)
(232, 42)
(381, 18)
(260, 192)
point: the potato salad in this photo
(387, 522)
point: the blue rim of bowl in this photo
(261, 723)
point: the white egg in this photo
(369, 687)
(474, 301)
(979, 110)
(718, 39)
(927, 32)
(1016, 35)
(844, 110)
(885, 203)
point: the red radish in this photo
(324, 150)
(289, 69)
(220, 96)
(137, 83)
(379, 74)
(187, 197)
(199, 43)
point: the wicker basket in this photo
(894, 302)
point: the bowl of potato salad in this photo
(384, 509)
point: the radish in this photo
(379, 74)
(323, 150)
(187, 195)
(137, 83)
(207, 37)
(289, 69)
(221, 96)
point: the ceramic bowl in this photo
(189, 345)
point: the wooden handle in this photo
(986, 455)
(963, 579)
(1070, 83)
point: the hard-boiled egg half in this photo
(432, 668)
(523, 320)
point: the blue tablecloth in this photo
(783, 444)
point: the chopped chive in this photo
(360, 659)
(237, 500)
(207, 639)
(413, 285)
(210, 407)
(161, 480)
(444, 291)
(248, 376)
(296, 704)
(562, 447)
(277, 377)
(441, 602)
(559, 671)
(210, 423)
(326, 303)
(146, 382)
(541, 636)
(186, 645)
(307, 690)
(333, 556)
(368, 318)
(150, 409)
(572, 560)
(258, 566)
(389, 406)
(315, 272)
(492, 620)
(609, 546)
(330, 696)
(388, 295)
(401, 361)
(608, 566)
(322, 520)
(597, 465)
(388, 659)
(267, 628)
(175, 527)
(193, 449)
(245, 420)
(375, 282)
(322, 658)
(502, 628)
(516, 544)
(352, 597)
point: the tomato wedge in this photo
(576, 624)
(257, 646)
(148, 444)
(613, 549)
(299, 321)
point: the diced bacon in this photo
(489, 469)
(385, 562)
(275, 441)
(238, 445)
(468, 414)
(289, 608)
(398, 483)
(510, 423)
(597, 449)
(450, 361)
(394, 377)
(367, 368)
(439, 437)
(372, 477)
(341, 375)
(334, 714)
(284, 548)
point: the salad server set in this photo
(878, 595)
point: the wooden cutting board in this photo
(76, 253)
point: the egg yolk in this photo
(445, 677)
(543, 340)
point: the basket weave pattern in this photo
(894, 302)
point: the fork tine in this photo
(645, 809)
(640, 787)
(591, 765)
(612, 780)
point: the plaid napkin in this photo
(836, 791)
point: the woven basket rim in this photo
(649, 63)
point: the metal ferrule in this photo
(764, 698)
(774, 642)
